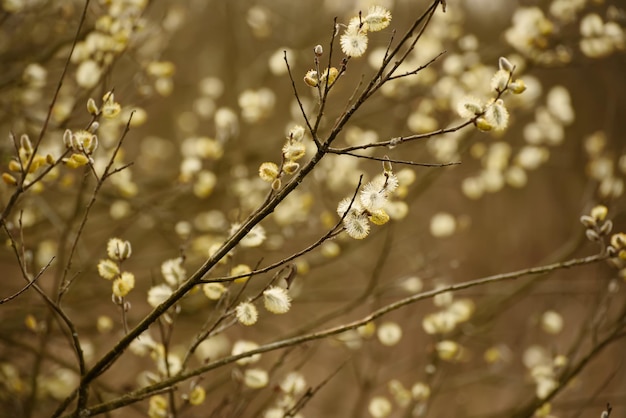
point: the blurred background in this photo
(213, 100)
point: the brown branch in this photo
(150, 390)
(366, 293)
(297, 96)
(332, 232)
(531, 406)
(393, 142)
(403, 162)
(206, 331)
(328, 86)
(310, 392)
(20, 185)
(418, 69)
(65, 283)
(425, 18)
(60, 315)
(377, 80)
(30, 283)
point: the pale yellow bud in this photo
(161, 69)
(92, 108)
(276, 300)
(379, 407)
(268, 172)
(9, 179)
(76, 160)
(290, 167)
(505, 64)
(239, 270)
(111, 109)
(213, 291)
(517, 87)
(311, 78)
(108, 269)
(420, 391)
(483, 125)
(15, 166)
(255, 378)
(448, 350)
(389, 333)
(380, 217)
(197, 395)
(124, 284)
(246, 313)
(26, 144)
(331, 74)
(599, 213)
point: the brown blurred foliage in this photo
(232, 41)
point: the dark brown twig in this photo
(30, 283)
(20, 184)
(402, 162)
(310, 392)
(330, 234)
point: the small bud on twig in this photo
(607, 412)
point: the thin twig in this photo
(374, 278)
(402, 162)
(530, 407)
(418, 69)
(599, 390)
(425, 19)
(30, 283)
(393, 35)
(46, 170)
(393, 142)
(61, 316)
(330, 234)
(205, 333)
(82, 393)
(377, 80)
(297, 96)
(20, 185)
(310, 392)
(65, 284)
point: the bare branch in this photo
(418, 69)
(310, 392)
(149, 390)
(332, 232)
(404, 162)
(60, 315)
(30, 283)
(297, 96)
(394, 142)
(20, 185)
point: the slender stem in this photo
(300, 105)
(402, 162)
(20, 187)
(30, 283)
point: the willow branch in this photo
(150, 390)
